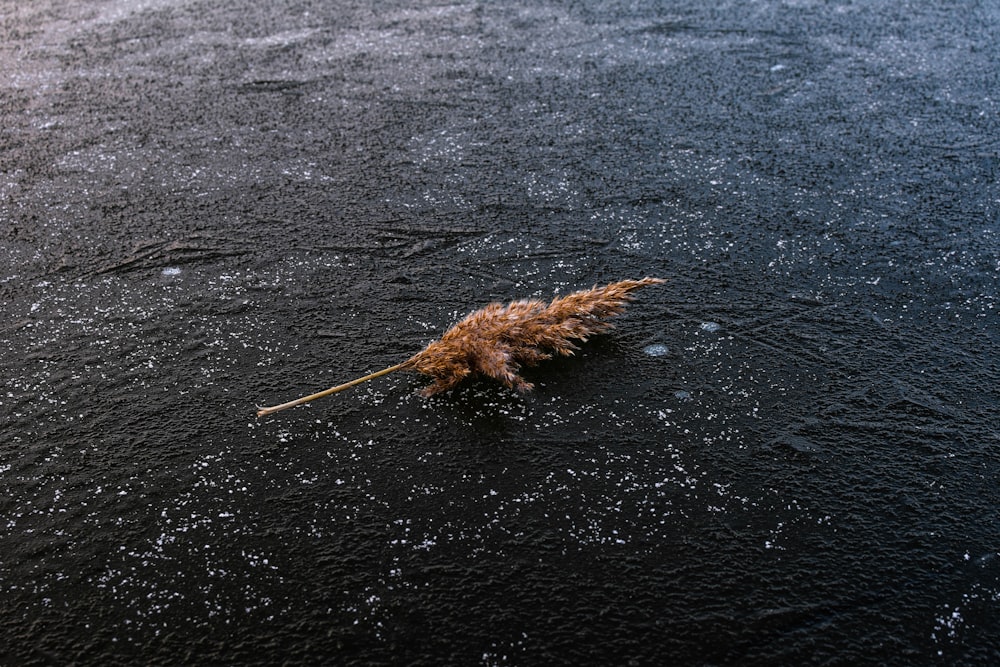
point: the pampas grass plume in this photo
(497, 340)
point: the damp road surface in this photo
(788, 454)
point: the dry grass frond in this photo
(497, 340)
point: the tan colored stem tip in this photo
(326, 392)
(496, 341)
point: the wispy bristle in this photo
(497, 340)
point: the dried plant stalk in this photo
(496, 341)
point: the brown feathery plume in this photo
(496, 341)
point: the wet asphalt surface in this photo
(786, 455)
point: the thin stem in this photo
(326, 392)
